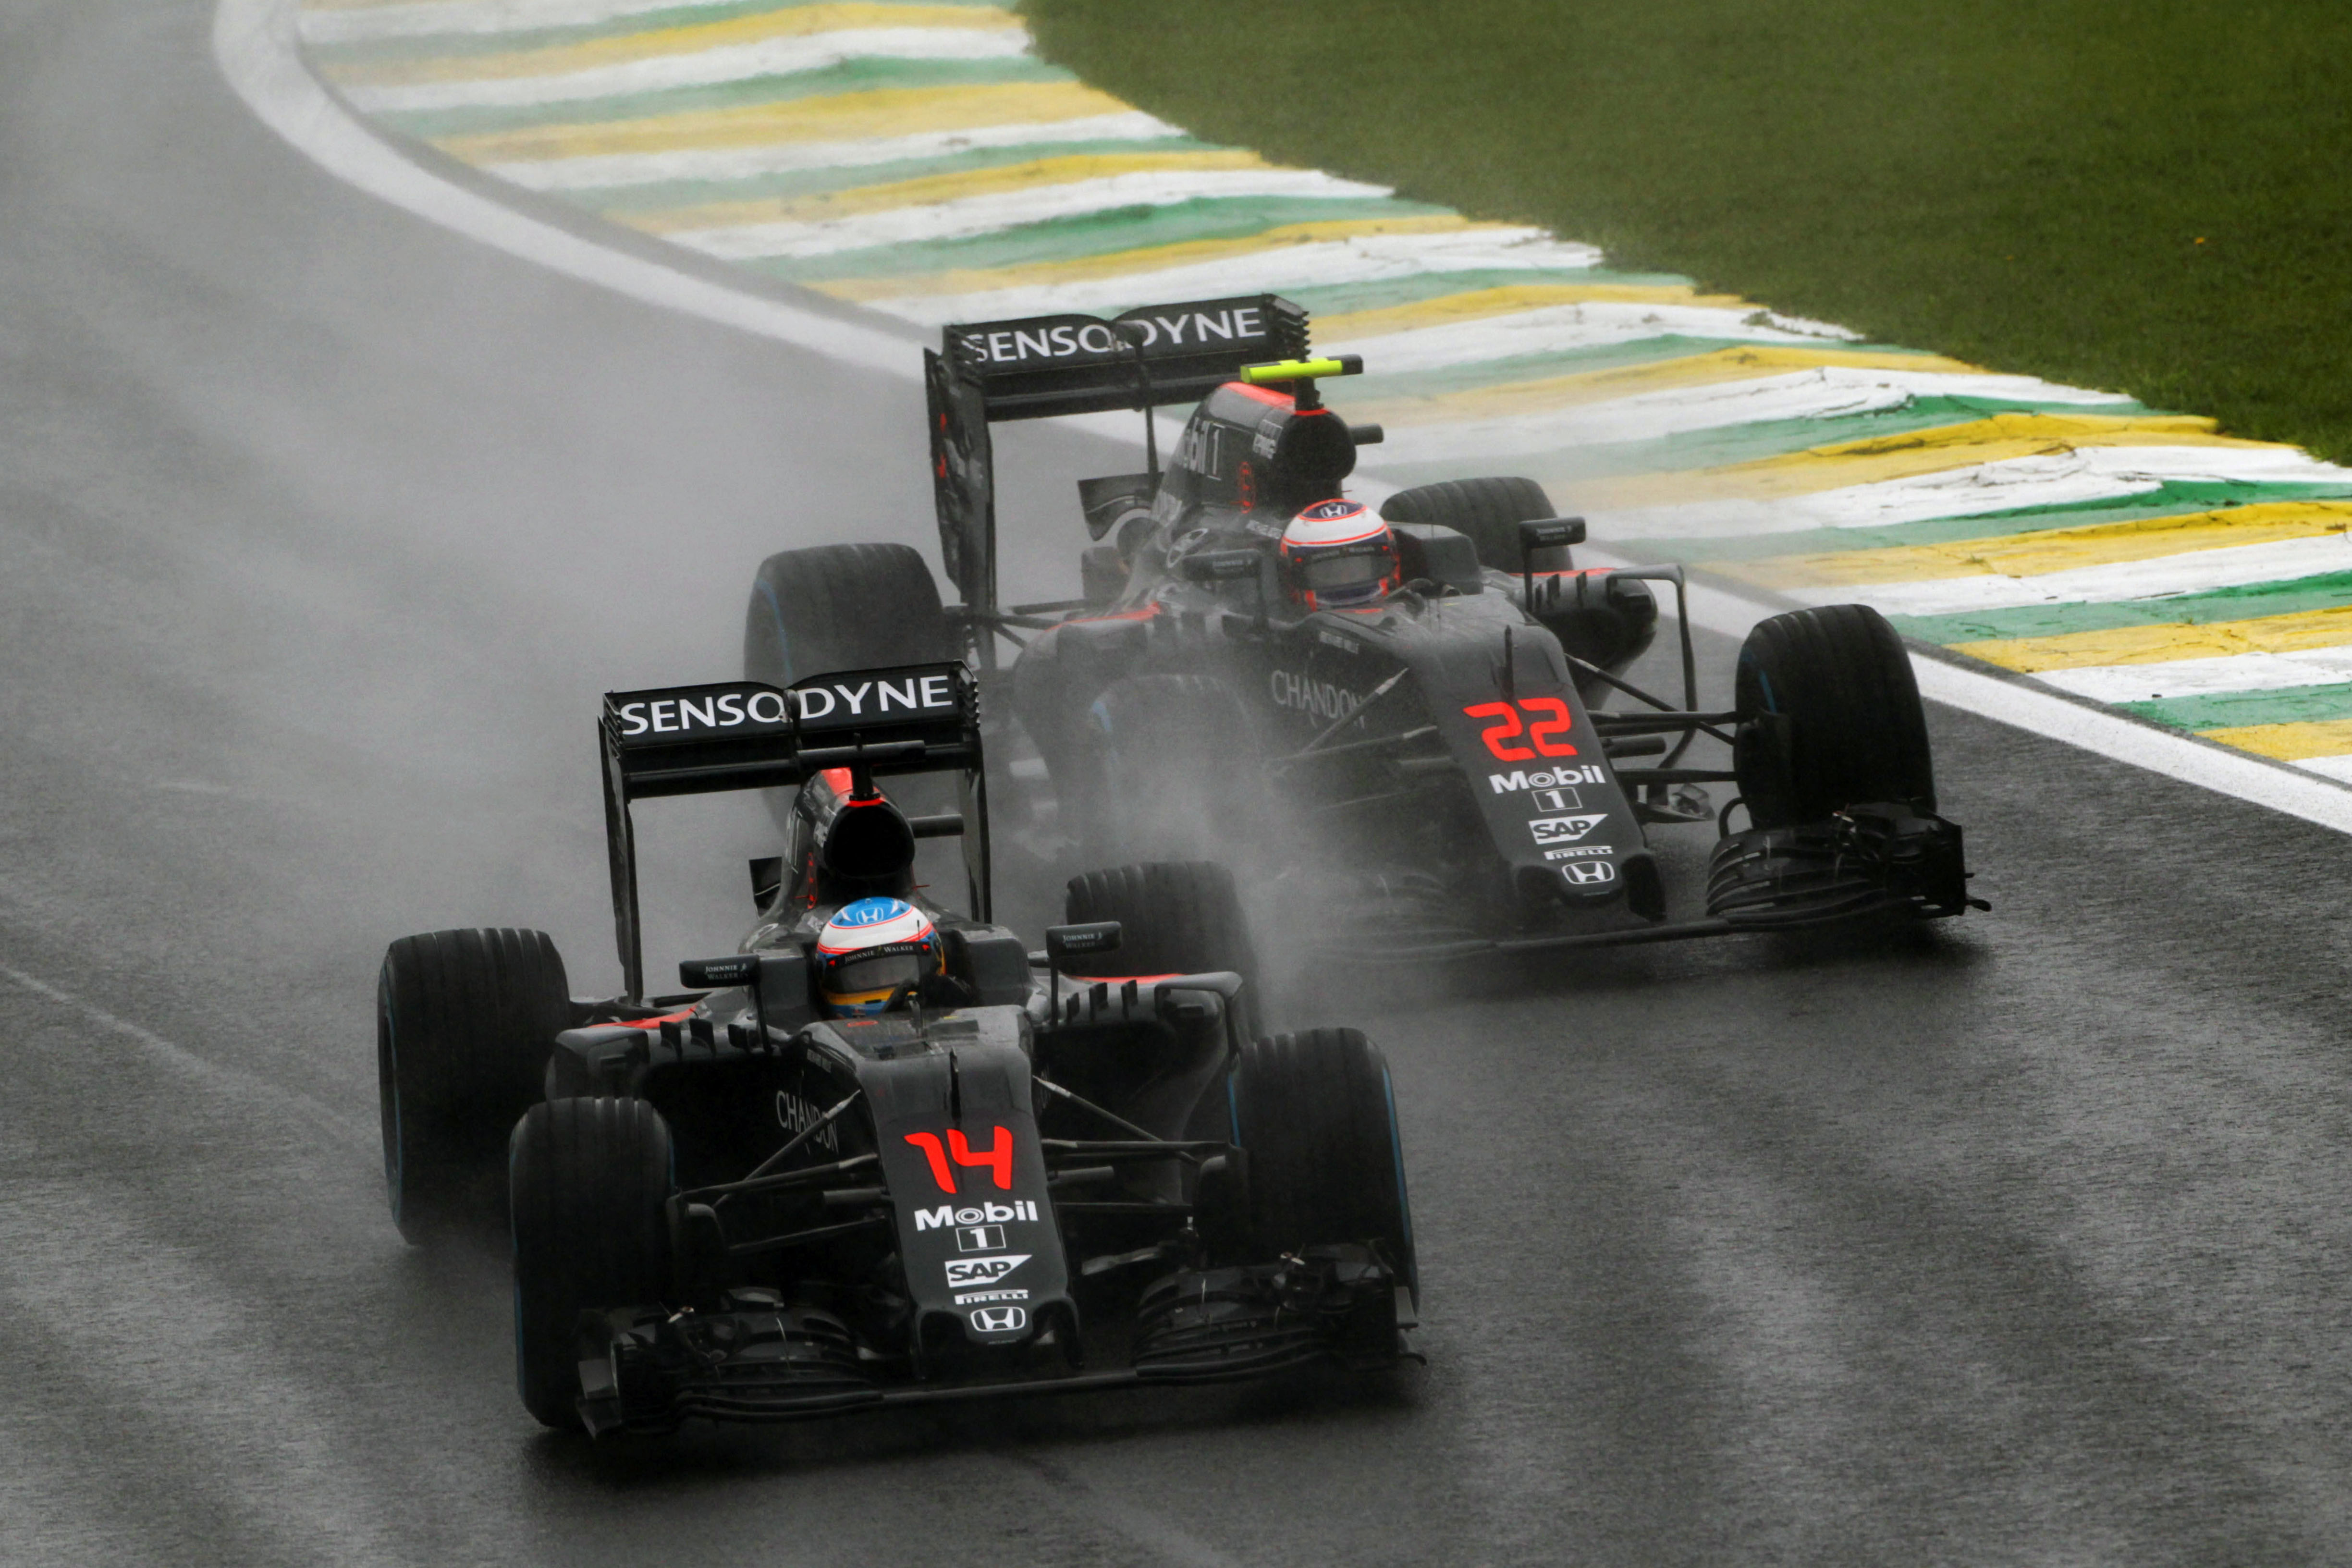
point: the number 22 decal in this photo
(1551, 717)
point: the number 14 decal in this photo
(1552, 722)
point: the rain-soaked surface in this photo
(321, 531)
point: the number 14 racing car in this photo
(883, 1154)
(1397, 718)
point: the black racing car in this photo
(1435, 769)
(1034, 1172)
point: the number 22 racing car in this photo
(883, 1154)
(1399, 717)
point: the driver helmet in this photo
(1337, 553)
(870, 947)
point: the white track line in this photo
(254, 43)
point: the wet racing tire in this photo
(463, 1023)
(590, 1180)
(1316, 1114)
(1829, 717)
(843, 606)
(1177, 917)
(1174, 770)
(1488, 512)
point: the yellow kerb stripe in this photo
(1747, 363)
(934, 188)
(2289, 742)
(2057, 549)
(845, 117)
(1511, 300)
(1151, 258)
(2000, 438)
(2168, 641)
(623, 47)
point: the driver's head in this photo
(1336, 553)
(869, 949)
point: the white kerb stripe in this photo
(2065, 478)
(707, 68)
(1831, 392)
(974, 216)
(720, 163)
(428, 18)
(1558, 328)
(2204, 677)
(1278, 265)
(2189, 571)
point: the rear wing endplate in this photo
(1040, 367)
(743, 735)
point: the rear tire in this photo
(465, 1021)
(1172, 770)
(1316, 1113)
(1829, 717)
(1488, 512)
(590, 1181)
(843, 606)
(1178, 917)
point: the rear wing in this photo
(1040, 367)
(742, 734)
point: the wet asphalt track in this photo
(319, 531)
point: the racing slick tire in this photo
(1488, 512)
(463, 1023)
(1173, 771)
(590, 1182)
(843, 606)
(1176, 917)
(1316, 1113)
(1829, 717)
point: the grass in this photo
(2152, 196)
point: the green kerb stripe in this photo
(2292, 596)
(457, 46)
(850, 75)
(1345, 298)
(2227, 710)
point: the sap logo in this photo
(946, 1217)
(1588, 872)
(981, 1238)
(1507, 783)
(1318, 698)
(1573, 853)
(795, 1113)
(1552, 721)
(999, 1320)
(964, 1273)
(916, 694)
(708, 711)
(1565, 829)
(973, 1297)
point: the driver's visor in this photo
(884, 973)
(1330, 571)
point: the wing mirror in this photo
(1543, 547)
(1080, 941)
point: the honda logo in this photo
(1590, 871)
(999, 1320)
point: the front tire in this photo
(589, 1181)
(465, 1021)
(1829, 717)
(1316, 1113)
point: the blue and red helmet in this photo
(870, 947)
(1337, 553)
